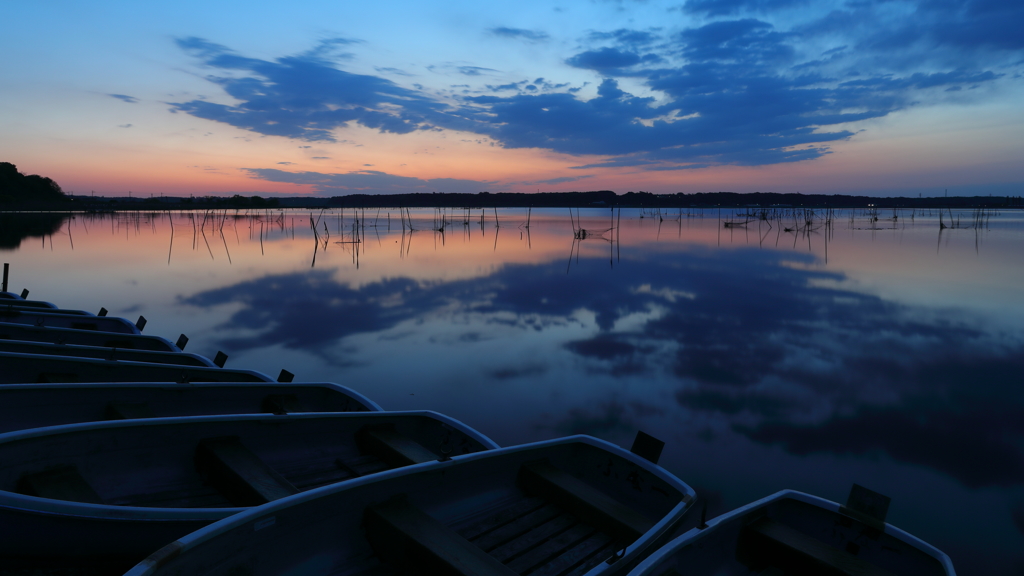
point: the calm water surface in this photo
(884, 352)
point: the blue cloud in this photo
(735, 90)
(307, 97)
(604, 59)
(474, 70)
(633, 38)
(122, 97)
(519, 33)
(733, 7)
(367, 182)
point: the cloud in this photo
(604, 59)
(124, 98)
(367, 182)
(614, 163)
(634, 38)
(306, 97)
(474, 70)
(385, 70)
(744, 87)
(519, 34)
(733, 7)
(561, 180)
(124, 125)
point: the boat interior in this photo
(793, 538)
(547, 516)
(221, 464)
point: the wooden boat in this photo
(792, 533)
(575, 506)
(19, 303)
(39, 368)
(99, 493)
(24, 406)
(103, 353)
(100, 323)
(84, 337)
(34, 306)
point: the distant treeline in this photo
(649, 200)
(32, 190)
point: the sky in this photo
(327, 98)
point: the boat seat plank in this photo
(800, 550)
(535, 537)
(240, 475)
(392, 447)
(502, 517)
(585, 555)
(543, 479)
(128, 410)
(516, 528)
(310, 473)
(64, 483)
(551, 549)
(400, 531)
(601, 555)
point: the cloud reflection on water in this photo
(753, 337)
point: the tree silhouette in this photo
(18, 188)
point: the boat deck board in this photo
(241, 475)
(399, 530)
(535, 537)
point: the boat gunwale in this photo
(134, 364)
(133, 330)
(44, 329)
(357, 396)
(206, 362)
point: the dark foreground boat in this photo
(40, 305)
(46, 317)
(85, 337)
(796, 534)
(26, 368)
(24, 406)
(104, 353)
(108, 494)
(572, 506)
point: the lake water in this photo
(770, 355)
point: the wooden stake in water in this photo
(7, 269)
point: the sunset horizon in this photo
(872, 99)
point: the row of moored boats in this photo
(121, 453)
